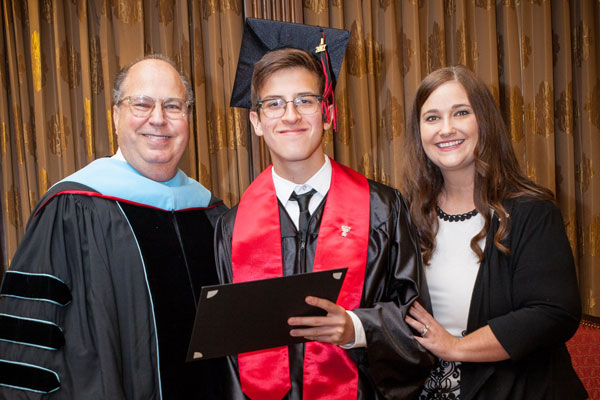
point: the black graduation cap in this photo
(262, 36)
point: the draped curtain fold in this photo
(538, 57)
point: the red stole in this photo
(256, 254)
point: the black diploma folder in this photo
(241, 317)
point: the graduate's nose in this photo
(291, 115)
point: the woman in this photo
(498, 263)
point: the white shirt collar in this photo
(320, 181)
(119, 155)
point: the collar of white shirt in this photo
(320, 181)
(119, 155)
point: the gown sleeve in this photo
(58, 333)
(397, 363)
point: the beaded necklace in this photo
(457, 217)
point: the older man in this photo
(100, 298)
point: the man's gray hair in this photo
(120, 78)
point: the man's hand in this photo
(336, 327)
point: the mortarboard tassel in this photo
(328, 93)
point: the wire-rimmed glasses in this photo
(142, 106)
(275, 108)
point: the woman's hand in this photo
(433, 337)
(479, 346)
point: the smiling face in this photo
(152, 145)
(449, 130)
(294, 139)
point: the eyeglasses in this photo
(275, 108)
(142, 106)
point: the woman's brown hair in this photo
(497, 172)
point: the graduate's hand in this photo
(436, 338)
(336, 327)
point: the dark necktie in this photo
(303, 200)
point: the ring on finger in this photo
(424, 331)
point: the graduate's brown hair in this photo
(279, 59)
(497, 172)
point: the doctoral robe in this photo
(100, 298)
(393, 365)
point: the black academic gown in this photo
(100, 300)
(393, 365)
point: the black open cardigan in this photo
(530, 299)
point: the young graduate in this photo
(308, 213)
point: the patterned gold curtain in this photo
(58, 62)
(538, 57)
